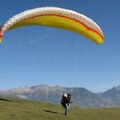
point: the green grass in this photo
(15, 109)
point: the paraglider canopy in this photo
(58, 18)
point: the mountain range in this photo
(80, 96)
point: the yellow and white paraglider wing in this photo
(56, 17)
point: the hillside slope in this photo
(15, 109)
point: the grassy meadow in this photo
(16, 109)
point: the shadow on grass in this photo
(3, 99)
(53, 112)
(8, 100)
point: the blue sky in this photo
(42, 55)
